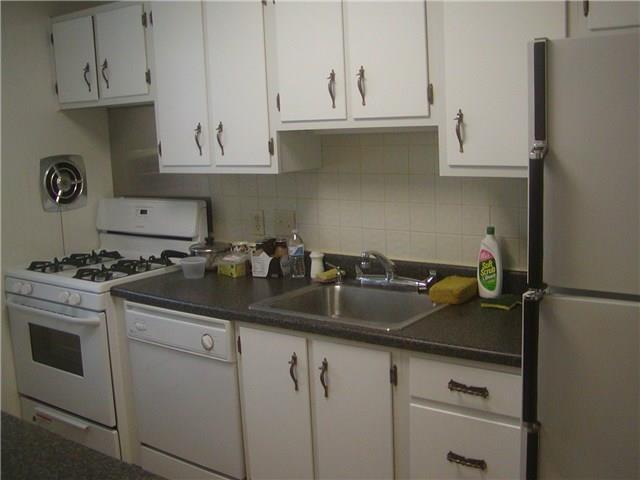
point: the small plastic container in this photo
(193, 267)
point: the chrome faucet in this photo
(389, 278)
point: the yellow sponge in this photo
(454, 290)
(326, 276)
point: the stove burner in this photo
(48, 266)
(101, 274)
(131, 267)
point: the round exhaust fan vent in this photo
(64, 184)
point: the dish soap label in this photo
(487, 270)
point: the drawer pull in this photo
(293, 370)
(466, 462)
(462, 388)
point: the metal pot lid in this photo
(209, 246)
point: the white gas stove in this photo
(68, 340)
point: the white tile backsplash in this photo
(381, 191)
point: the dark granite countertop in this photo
(463, 331)
(30, 452)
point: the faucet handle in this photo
(340, 271)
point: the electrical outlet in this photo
(257, 222)
(285, 221)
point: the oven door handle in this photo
(89, 321)
(48, 415)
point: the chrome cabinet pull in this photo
(462, 388)
(85, 72)
(293, 370)
(324, 369)
(198, 131)
(219, 137)
(459, 118)
(332, 87)
(105, 65)
(466, 462)
(360, 76)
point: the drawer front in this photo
(81, 431)
(470, 387)
(484, 449)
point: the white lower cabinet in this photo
(352, 415)
(318, 408)
(457, 445)
(277, 417)
(351, 419)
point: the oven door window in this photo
(56, 349)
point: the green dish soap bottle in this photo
(489, 266)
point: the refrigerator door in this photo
(589, 388)
(592, 175)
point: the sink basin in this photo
(365, 306)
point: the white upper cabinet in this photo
(310, 56)
(121, 52)
(486, 80)
(237, 83)
(602, 15)
(181, 105)
(387, 57)
(75, 60)
(100, 56)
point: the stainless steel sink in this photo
(369, 307)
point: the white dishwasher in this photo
(187, 400)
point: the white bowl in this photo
(193, 267)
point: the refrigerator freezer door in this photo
(592, 176)
(589, 381)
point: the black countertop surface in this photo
(463, 331)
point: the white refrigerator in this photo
(581, 315)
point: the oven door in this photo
(62, 357)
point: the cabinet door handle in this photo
(324, 369)
(293, 370)
(466, 462)
(198, 131)
(459, 118)
(85, 73)
(332, 88)
(360, 75)
(219, 137)
(105, 65)
(462, 388)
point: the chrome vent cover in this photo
(64, 183)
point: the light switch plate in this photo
(285, 221)
(257, 222)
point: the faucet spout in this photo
(387, 264)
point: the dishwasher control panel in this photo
(196, 334)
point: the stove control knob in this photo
(26, 289)
(74, 299)
(207, 342)
(17, 287)
(63, 296)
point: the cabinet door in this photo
(387, 41)
(277, 416)
(605, 15)
(75, 60)
(353, 416)
(309, 48)
(237, 83)
(121, 52)
(486, 77)
(181, 99)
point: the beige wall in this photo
(377, 191)
(32, 128)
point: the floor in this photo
(30, 452)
